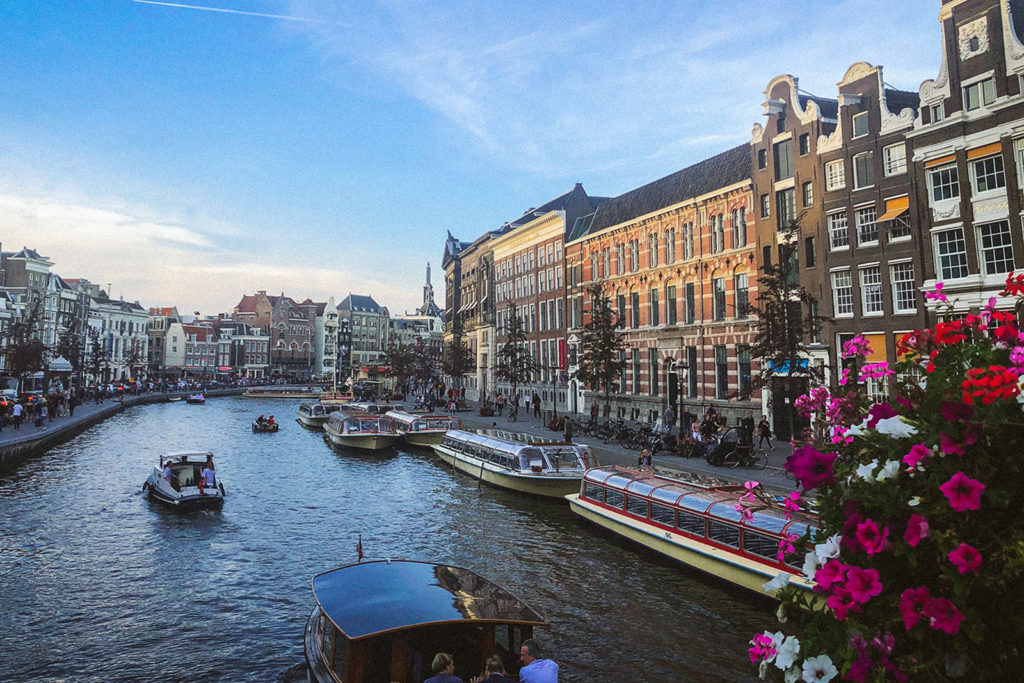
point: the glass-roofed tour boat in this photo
(537, 467)
(697, 525)
(385, 620)
(423, 430)
(314, 415)
(361, 430)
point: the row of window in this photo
(527, 261)
(630, 381)
(719, 305)
(543, 317)
(866, 228)
(901, 280)
(995, 250)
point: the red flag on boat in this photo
(359, 548)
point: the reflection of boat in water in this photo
(283, 392)
(185, 489)
(541, 468)
(695, 524)
(196, 399)
(173, 399)
(361, 430)
(314, 415)
(385, 620)
(423, 430)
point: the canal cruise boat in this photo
(185, 490)
(314, 415)
(385, 620)
(361, 430)
(540, 468)
(375, 408)
(423, 430)
(283, 392)
(697, 525)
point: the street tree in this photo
(135, 358)
(601, 362)
(23, 350)
(515, 363)
(787, 319)
(457, 359)
(425, 360)
(400, 359)
(98, 359)
(69, 345)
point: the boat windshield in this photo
(561, 457)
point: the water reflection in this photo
(97, 582)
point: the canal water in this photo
(98, 583)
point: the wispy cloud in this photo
(223, 10)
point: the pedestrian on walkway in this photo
(526, 404)
(72, 402)
(567, 429)
(670, 419)
(536, 404)
(764, 433)
(513, 413)
(594, 409)
(18, 410)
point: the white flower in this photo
(781, 580)
(762, 669)
(914, 502)
(811, 565)
(865, 472)
(827, 550)
(781, 614)
(819, 669)
(889, 470)
(792, 675)
(895, 427)
(787, 652)
(857, 430)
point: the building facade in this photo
(368, 326)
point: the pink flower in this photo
(833, 572)
(841, 602)
(912, 604)
(762, 647)
(786, 546)
(952, 447)
(963, 492)
(745, 513)
(966, 559)
(811, 467)
(877, 370)
(918, 453)
(863, 584)
(791, 504)
(880, 411)
(858, 347)
(943, 615)
(917, 529)
(955, 411)
(937, 294)
(870, 537)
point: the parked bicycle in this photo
(730, 449)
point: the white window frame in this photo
(1002, 251)
(835, 175)
(961, 253)
(997, 172)
(863, 211)
(894, 165)
(872, 300)
(842, 293)
(940, 177)
(903, 288)
(870, 155)
(833, 221)
(808, 193)
(986, 96)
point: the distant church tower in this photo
(429, 307)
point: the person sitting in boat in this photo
(169, 476)
(444, 668)
(261, 420)
(494, 673)
(535, 669)
(270, 421)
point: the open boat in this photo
(264, 427)
(695, 524)
(423, 430)
(361, 430)
(385, 620)
(195, 399)
(185, 490)
(314, 415)
(540, 468)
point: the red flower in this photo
(966, 559)
(963, 492)
(990, 384)
(912, 604)
(949, 333)
(1014, 285)
(943, 615)
(811, 467)
(917, 529)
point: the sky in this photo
(185, 157)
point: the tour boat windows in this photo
(760, 544)
(766, 521)
(690, 523)
(636, 506)
(726, 534)
(593, 491)
(613, 498)
(663, 514)
(698, 502)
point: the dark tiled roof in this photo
(898, 100)
(721, 170)
(358, 302)
(829, 108)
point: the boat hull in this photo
(427, 439)
(366, 442)
(700, 556)
(543, 485)
(188, 498)
(313, 421)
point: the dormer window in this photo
(938, 112)
(982, 93)
(860, 124)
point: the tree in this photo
(425, 360)
(786, 318)
(135, 358)
(601, 363)
(69, 345)
(25, 353)
(515, 363)
(400, 359)
(98, 360)
(457, 360)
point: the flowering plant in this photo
(918, 564)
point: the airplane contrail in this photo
(228, 11)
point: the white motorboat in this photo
(314, 415)
(185, 488)
(361, 430)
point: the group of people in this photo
(207, 477)
(535, 668)
(501, 401)
(39, 411)
(268, 421)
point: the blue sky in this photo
(189, 156)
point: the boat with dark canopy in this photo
(385, 620)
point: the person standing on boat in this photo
(535, 669)
(209, 473)
(444, 668)
(172, 480)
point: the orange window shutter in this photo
(941, 160)
(978, 152)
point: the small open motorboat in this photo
(196, 399)
(185, 488)
(264, 427)
(384, 620)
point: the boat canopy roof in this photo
(427, 420)
(371, 598)
(190, 456)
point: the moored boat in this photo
(314, 415)
(423, 430)
(374, 408)
(385, 620)
(283, 392)
(335, 398)
(549, 469)
(361, 430)
(186, 487)
(697, 525)
(196, 399)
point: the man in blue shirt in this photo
(535, 669)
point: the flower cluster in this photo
(921, 540)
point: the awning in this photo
(984, 151)
(940, 160)
(60, 364)
(895, 207)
